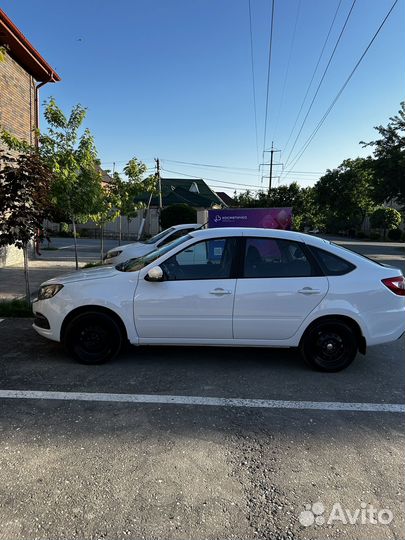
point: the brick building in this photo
(22, 72)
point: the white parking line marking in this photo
(1, 320)
(205, 401)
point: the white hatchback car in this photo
(139, 249)
(230, 287)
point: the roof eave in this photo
(22, 50)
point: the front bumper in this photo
(47, 319)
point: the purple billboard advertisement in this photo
(267, 218)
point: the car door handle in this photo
(220, 292)
(309, 290)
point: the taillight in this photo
(395, 284)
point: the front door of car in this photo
(195, 299)
(279, 287)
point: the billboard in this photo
(267, 218)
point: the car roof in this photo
(187, 226)
(258, 232)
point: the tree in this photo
(25, 184)
(106, 204)
(344, 194)
(389, 162)
(176, 214)
(128, 190)
(301, 200)
(76, 188)
(386, 219)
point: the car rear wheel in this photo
(329, 345)
(93, 338)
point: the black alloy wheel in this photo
(93, 338)
(329, 345)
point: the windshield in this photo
(159, 236)
(133, 265)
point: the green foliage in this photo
(15, 308)
(301, 200)
(344, 194)
(14, 143)
(25, 184)
(375, 235)
(3, 53)
(385, 218)
(176, 214)
(76, 190)
(93, 264)
(395, 235)
(126, 191)
(389, 162)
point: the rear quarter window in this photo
(331, 264)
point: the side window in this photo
(210, 259)
(275, 258)
(331, 264)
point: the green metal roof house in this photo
(194, 192)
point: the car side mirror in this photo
(155, 274)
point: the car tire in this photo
(329, 345)
(93, 338)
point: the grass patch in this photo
(15, 308)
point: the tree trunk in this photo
(120, 230)
(102, 242)
(26, 275)
(75, 242)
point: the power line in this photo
(253, 81)
(322, 120)
(321, 81)
(313, 74)
(209, 165)
(287, 68)
(232, 170)
(268, 75)
(208, 179)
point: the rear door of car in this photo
(280, 284)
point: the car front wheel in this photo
(329, 345)
(93, 338)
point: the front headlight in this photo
(48, 291)
(112, 254)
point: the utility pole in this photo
(159, 180)
(272, 152)
(271, 164)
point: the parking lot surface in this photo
(190, 466)
(93, 469)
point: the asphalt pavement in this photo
(196, 464)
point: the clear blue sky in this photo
(172, 78)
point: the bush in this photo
(177, 214)
(375, 236)
(361, 234)
(395, 234)
(385, 218)
(15, 308)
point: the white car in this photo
(139, 249)
(231, 287)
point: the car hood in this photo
(83, 275)
(137, 249)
